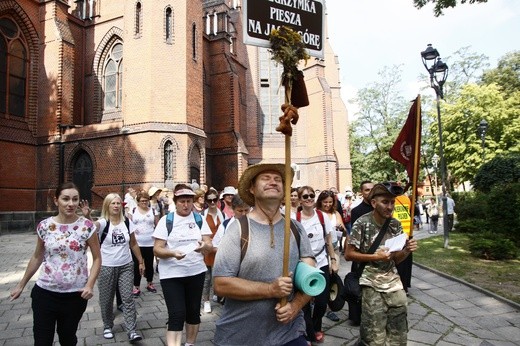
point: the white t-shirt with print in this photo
(314, 231)
(185, 232)
(143, 225)
(115, 250)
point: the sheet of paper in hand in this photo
(396, 243)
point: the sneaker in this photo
(215, 298)
(136, 292)
(151, 288)
(107, 333)
(207, 307)
(332, 316)
(133, 336)
(320, 337)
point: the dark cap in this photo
(386, 188)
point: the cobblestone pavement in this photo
(442, 310)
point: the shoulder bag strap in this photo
(375, 245)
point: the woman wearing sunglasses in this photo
(319, 231)
(214, 217)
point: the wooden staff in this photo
(287, 188)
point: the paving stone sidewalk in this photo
(442, 311)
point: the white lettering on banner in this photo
(270, 27)
(285, 16)
(306, 5)
(310, 39)
(254, 26)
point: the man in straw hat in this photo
(384, 312)
(253, 285)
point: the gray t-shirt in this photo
(254, 322)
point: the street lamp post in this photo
(435, 161)
(482, 129)
(438, 72)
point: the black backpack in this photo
(105, 230)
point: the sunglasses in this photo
(306, 196)
(212, 200)
(393, 188)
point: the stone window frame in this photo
(138, 19)
(15, 41)
(13, 10)
(175, 151)
(169, 22)
(199, 163)
(194, 41)
(113, 35)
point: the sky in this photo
(368, 35)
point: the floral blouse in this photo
(64, 268)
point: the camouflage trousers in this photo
(383, 318)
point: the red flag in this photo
(407, 147)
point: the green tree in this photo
(465, 66)
(462, 144)
(379, 120)
(442, 4)
(506, 74)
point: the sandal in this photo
(136, 292)
(107, 333)
(151, 288)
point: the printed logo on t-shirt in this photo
(118, 237)
(191, 225)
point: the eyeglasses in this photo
(393, 188)
(306, 196)
(212, 200)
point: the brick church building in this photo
(112, 94)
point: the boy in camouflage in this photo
(384, 302)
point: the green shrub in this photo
(489, 246)
(500, 170)
(468, 205)
(496, 211)
(502, 210)
(472, 226)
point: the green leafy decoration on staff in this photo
(288, 49)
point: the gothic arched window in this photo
(113, 78)
(168, 160)
(168, 25)
(138, 18)
(13, 69)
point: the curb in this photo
(475, 287)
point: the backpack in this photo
(244, 235)
(322, 221)
(105, 230)
(169, 220)
(225, 223)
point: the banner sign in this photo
(303, 16)
(402, 213)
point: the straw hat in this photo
(229, 190)
(153, 190)
(249, 175)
